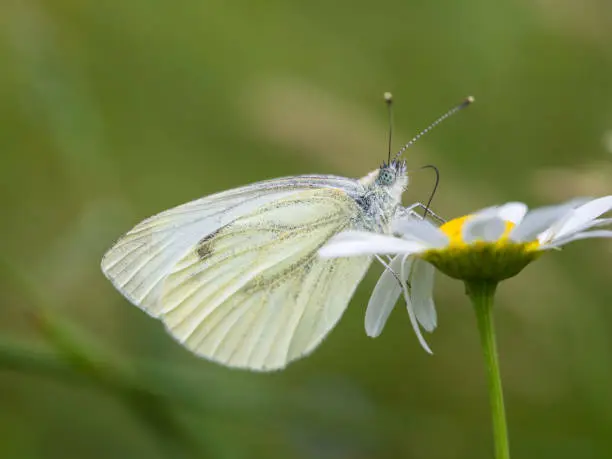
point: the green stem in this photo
(482, 295)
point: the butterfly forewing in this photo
(140, 261)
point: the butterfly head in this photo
(390, 178)
(389, 174)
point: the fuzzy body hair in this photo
(379, 201)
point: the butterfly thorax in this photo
(382, 194)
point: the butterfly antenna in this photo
(466, 103)
(433, 192)
(389, 101)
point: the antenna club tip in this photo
(388, 97)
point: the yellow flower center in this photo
(481, 260)
(454, 230)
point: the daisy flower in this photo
(481, 249)
(487, 246)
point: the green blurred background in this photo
(112, 111)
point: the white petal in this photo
(411, 313)
(421, 281)
(551, 233)
(537, 221)
(420, 231)
(575, 237)
(585, 214)
(383, 299)
(487, 212)
(483, 228)
(352, 243)
(597, 223)
(512, 212)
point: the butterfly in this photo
(235, 276)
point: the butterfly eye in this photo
(386, 176)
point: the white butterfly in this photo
(236, 277)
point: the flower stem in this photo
(482, 295)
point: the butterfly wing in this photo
(255, 294)
(139, 262)
(248, 290)
(266, 327)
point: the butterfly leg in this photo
(410, 210)
(390, 269)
